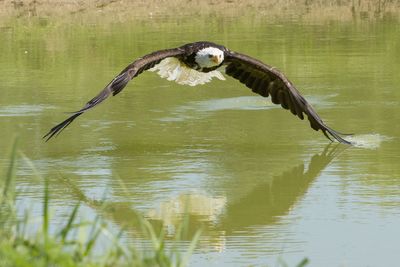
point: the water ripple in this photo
(368, 141)
(23, 110)
(205, 107)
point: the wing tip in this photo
(336, 135)
(56, 130)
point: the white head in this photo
(209, 57)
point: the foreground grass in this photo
(20, 245)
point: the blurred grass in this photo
(22, 245)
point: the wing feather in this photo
(117, 84)
(268, 81)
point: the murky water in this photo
(263, 186)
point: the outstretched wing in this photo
(118, 83)
(268, 81)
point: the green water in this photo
(262, 185)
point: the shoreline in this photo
(122, 10)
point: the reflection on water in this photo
(270, 200)
(193, 109)
(260, 183)
(196, 205)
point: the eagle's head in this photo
(209, 57)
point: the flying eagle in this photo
(199, 62)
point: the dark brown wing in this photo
(118, 83)
(268, 81)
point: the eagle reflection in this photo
(264, 205)
(268, 202)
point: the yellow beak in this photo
(215, 59)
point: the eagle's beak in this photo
(215, 59)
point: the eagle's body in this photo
(199, 62)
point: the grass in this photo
(21, 245)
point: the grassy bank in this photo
(124, 10)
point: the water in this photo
(263, 186)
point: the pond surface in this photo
(261, 183)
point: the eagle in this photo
(198, 63)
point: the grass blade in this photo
(189, 252)
(64, 232)
(91, 242)
(11, 169)
(46, 209)
(303, 263)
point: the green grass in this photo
(21, 246)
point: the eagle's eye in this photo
(210, 56)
